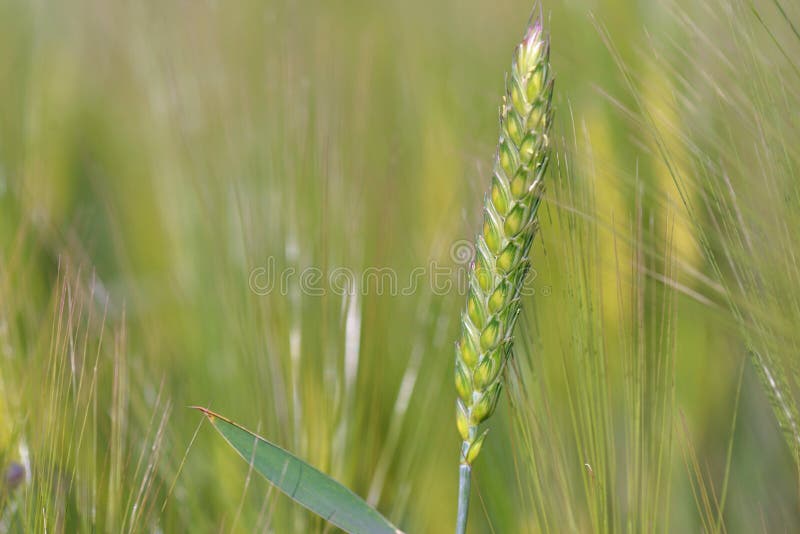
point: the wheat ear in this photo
(501, 262)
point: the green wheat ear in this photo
(501, 262)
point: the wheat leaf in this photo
(303, 483)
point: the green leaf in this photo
(305, 484)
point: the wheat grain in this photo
(501, 262)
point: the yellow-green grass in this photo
(165, 152)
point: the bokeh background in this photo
(154, 155)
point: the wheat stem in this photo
(464, 472)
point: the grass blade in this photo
(303, 483)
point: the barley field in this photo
(270, 210)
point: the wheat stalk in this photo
(501, 262)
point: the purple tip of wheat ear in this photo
(533, 33)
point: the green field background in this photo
(155, 155)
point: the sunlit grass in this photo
(152, 155)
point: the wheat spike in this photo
(501, 262)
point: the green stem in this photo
(464, 472)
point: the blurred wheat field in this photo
(242, 206)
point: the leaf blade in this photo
(303, 483)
